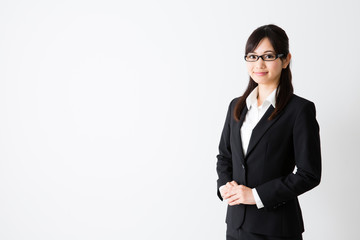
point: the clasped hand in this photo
(237, 194)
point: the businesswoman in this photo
(269, 151)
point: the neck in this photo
(263, 92)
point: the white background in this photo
(111, 113)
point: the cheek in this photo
(276, 69)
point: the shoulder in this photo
(299, 105)
(233, 102)
(300, 102)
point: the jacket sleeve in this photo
(224, 159)
(306, 142)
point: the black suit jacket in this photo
(275, 147)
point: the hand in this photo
(238, 194)
(226, 188)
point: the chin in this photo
(262, 80)
(259, 81)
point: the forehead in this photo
(264, 46)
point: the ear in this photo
(286, 62)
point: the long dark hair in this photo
(280, 42)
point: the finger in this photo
(237, 193)
(234, 200)
(232, 191)
(233, 183)
(228, 186)
(237, 202)
(234, 197)
(229, 195)
(224, 193)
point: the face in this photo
(266, 73)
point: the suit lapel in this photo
(260, 129)
(237, 133)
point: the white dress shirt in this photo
(253, 116)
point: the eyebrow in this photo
(265, 51)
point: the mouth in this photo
(260, 73)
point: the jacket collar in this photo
(237, 131)
(251, 100)
(259, 130)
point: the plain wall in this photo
(111, 113)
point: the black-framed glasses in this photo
(265, 57)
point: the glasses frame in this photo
(262, 57)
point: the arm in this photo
(224, 163)
(307, 158)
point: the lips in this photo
(260, 73)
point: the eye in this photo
(270, 56)
(251, 57)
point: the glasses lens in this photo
(251, 58)
(269, 57)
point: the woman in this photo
(269, 151)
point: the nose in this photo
(260, 63)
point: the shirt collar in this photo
(251, 100)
